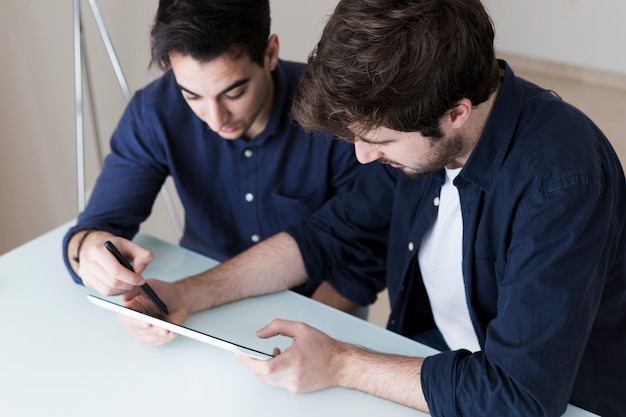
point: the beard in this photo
(442, 152)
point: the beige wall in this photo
(585, 33)
(37, 146)
(37, 133)
(37, 142)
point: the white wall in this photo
(299, 24)
(37, 135)
(586, 33)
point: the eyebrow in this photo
(372, 141)
(234, 85)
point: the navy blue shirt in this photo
(543, 200)
(234, 192)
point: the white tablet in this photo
(182, 330)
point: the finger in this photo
(279, 327)
(103, 284)
(258, 367)
(115, 268)
(140, 257)
(141, 328)
(153, 340)
(119, 275)
(146, 333)
(133, 324)
(131, 295)
(271, 372)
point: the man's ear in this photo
(271, 52)
(460, 113)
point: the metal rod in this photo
(92, 104)
(78, 83)
(109, 48)
(80, 164)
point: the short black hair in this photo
(206, 29)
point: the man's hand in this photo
(171, 295)
(312, 363)
(99, 269)
(315, 361)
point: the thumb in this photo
(141, 258)
(278, 327)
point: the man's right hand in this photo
(100, 270)
(171, 295)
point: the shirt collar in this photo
(281, 106)
(488, 156)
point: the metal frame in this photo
(80, 60)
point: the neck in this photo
(478, 120)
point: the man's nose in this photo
(215, 115)
(365, 152)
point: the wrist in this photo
(189, 292)
(346, 362)
(81, 241)
(208, 289)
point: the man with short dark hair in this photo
(219, 123)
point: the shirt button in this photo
(255, 238)
(248, 153)
(436, 202)
(411, 246)
(249, 197)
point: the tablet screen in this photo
(176, 328)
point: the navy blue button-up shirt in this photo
(543, 199)
(234, 192)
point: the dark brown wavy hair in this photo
(400, 64)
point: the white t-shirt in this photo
(440, 258)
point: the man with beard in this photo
(502, 210)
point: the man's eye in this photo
(189, 97)
(236, 96)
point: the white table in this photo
(62, 356)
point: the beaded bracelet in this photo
(80, 244)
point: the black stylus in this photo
(145, 287)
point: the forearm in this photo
(395, 378)
(270, 266)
